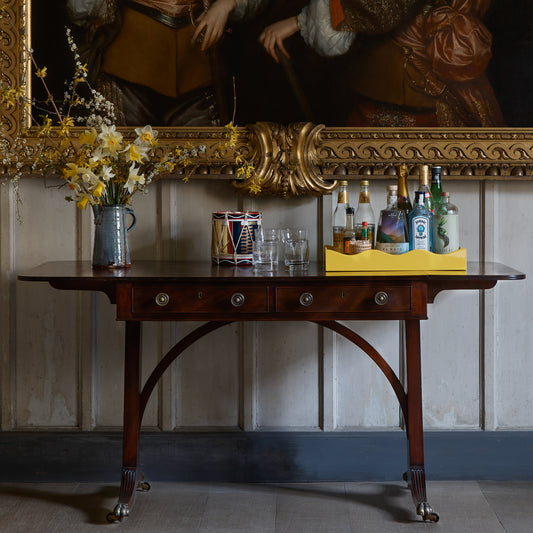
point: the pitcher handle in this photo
(129, 211)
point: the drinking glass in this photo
(266, 249)
(296, 248)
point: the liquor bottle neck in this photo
(349, 221)
(364, 197)
(343, 196)
(402, 186)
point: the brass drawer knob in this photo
(162, 299)
(237, 299)
(381, 298)
(306, 299)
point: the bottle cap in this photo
(365, 223)
(350, 210)
(343, 182)
(392, 187)
(364, 182)
(444, 193)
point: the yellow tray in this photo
(375, 260)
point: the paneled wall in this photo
(61, 352)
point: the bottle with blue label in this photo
(420, 225)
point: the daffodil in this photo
(146, 135)
(134, 180)
(82, 203)
(107, 173)
(88, 176)
(136, 153)
(88, 137)
(70, 171)
(111, 139)
(99, 189)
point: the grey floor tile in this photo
(245, 509)
(463, 508)
(384, 507)
(312, 508)
(512, 502)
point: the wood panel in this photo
(61, 353)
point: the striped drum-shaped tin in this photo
(233, 235)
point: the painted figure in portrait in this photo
(392, 63)
(408, 62)
(158, 61)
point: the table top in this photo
(165, 271)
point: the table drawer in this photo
(344, 299)
(160, 300)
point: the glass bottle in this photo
(349, 236)
(365, 213)
(446, 226)
(420, 225)
(436, 186)
(392, 236)
(423, 185)
(404, 203)
(339, 217)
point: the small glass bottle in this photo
(446, 226)
(404, 203)
(392, 236)
(420, 225)
(436, 186)
(365, 213)
(339, 217)
(423, 185)
(349, 236)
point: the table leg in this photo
(415, 430)
(130, 443)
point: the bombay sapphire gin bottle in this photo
(420, 225)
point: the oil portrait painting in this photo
(359, 63)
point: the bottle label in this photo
(394, 248)
(445, 234)
(370, 232)
(349, 245)
(420, 236)
(392, 236)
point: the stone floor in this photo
(464, 506)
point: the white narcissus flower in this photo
(110, 139)
(107, 173)
(88, 176)
(146, 135)
(134, 179)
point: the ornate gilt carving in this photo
(305, 159)
(286, 159)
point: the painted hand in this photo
(273, 36)
(211, 24)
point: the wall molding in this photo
(265, 456)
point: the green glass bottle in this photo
(436, 186)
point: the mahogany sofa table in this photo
(219, 295)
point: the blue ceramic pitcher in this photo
(111, 248)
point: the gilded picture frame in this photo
(305, 158)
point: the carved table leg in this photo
(130, 442)
(415, 472)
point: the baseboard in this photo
(265, 456)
